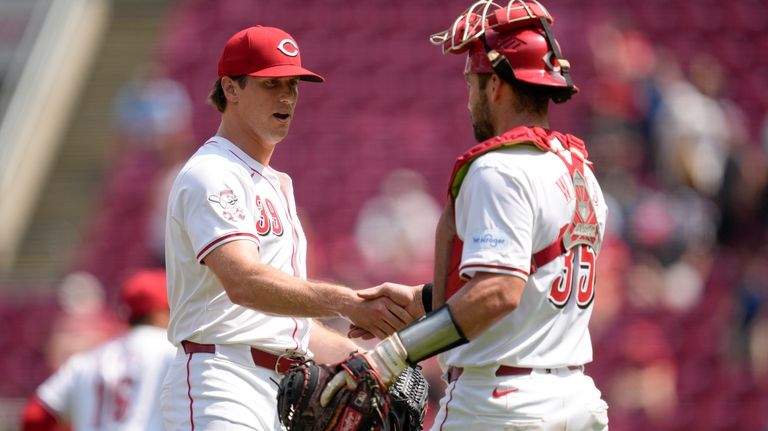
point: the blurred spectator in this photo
(672, 235)
(623, 60)
(154, 112)
(622, 98)
(684, 280)
(743, 197)
(84, 320)
(691, 127)
(115, 385)
(396, 229)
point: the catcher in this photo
(515, 253)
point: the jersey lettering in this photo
(268, 220)
(561, 287)
(564, 184)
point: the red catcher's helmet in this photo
(513, 41)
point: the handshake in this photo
(385, 309)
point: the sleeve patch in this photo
(490, 240)
(227, 200)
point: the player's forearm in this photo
(328, 345)
(271, 290)
(485, 300)
(253, 284)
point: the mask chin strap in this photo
(501, 65)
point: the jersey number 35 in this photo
(579, 268)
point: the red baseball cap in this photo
(266, 52)
(145, 292)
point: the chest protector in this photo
(583, 227)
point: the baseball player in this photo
(516, 246)
(116, 385)
(241, 304)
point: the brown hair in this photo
(217, 97)
(529, 98)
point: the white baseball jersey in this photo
(223, 195)
(512, 203)
(115, 386)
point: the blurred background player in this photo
(236, 254)
(116, 385)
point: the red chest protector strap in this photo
(582, 228)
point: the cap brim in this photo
(288, 70)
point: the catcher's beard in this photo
(481, 119)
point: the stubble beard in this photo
(481, 120)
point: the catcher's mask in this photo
(514, 41)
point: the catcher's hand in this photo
(362, 404)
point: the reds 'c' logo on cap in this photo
(288, 47)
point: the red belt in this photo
(506, 370)
(281, 363)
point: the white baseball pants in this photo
(555, 400)
(223, 391)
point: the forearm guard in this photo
(433, 334)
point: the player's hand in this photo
(403, 295)
(385, 371)
(408, 297)
(380, 316)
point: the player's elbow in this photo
(510, 302)
(506, 302)
(238, 293)
(507, 292)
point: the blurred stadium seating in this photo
(392, 100)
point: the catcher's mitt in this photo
(298, 395)
(363, 408)
(369, 406)
(409, 400)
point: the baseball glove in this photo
(409, 400)
(364, 407)
(367, 406)
(298, 395)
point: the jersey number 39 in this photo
(584, 276)
(268, 220)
